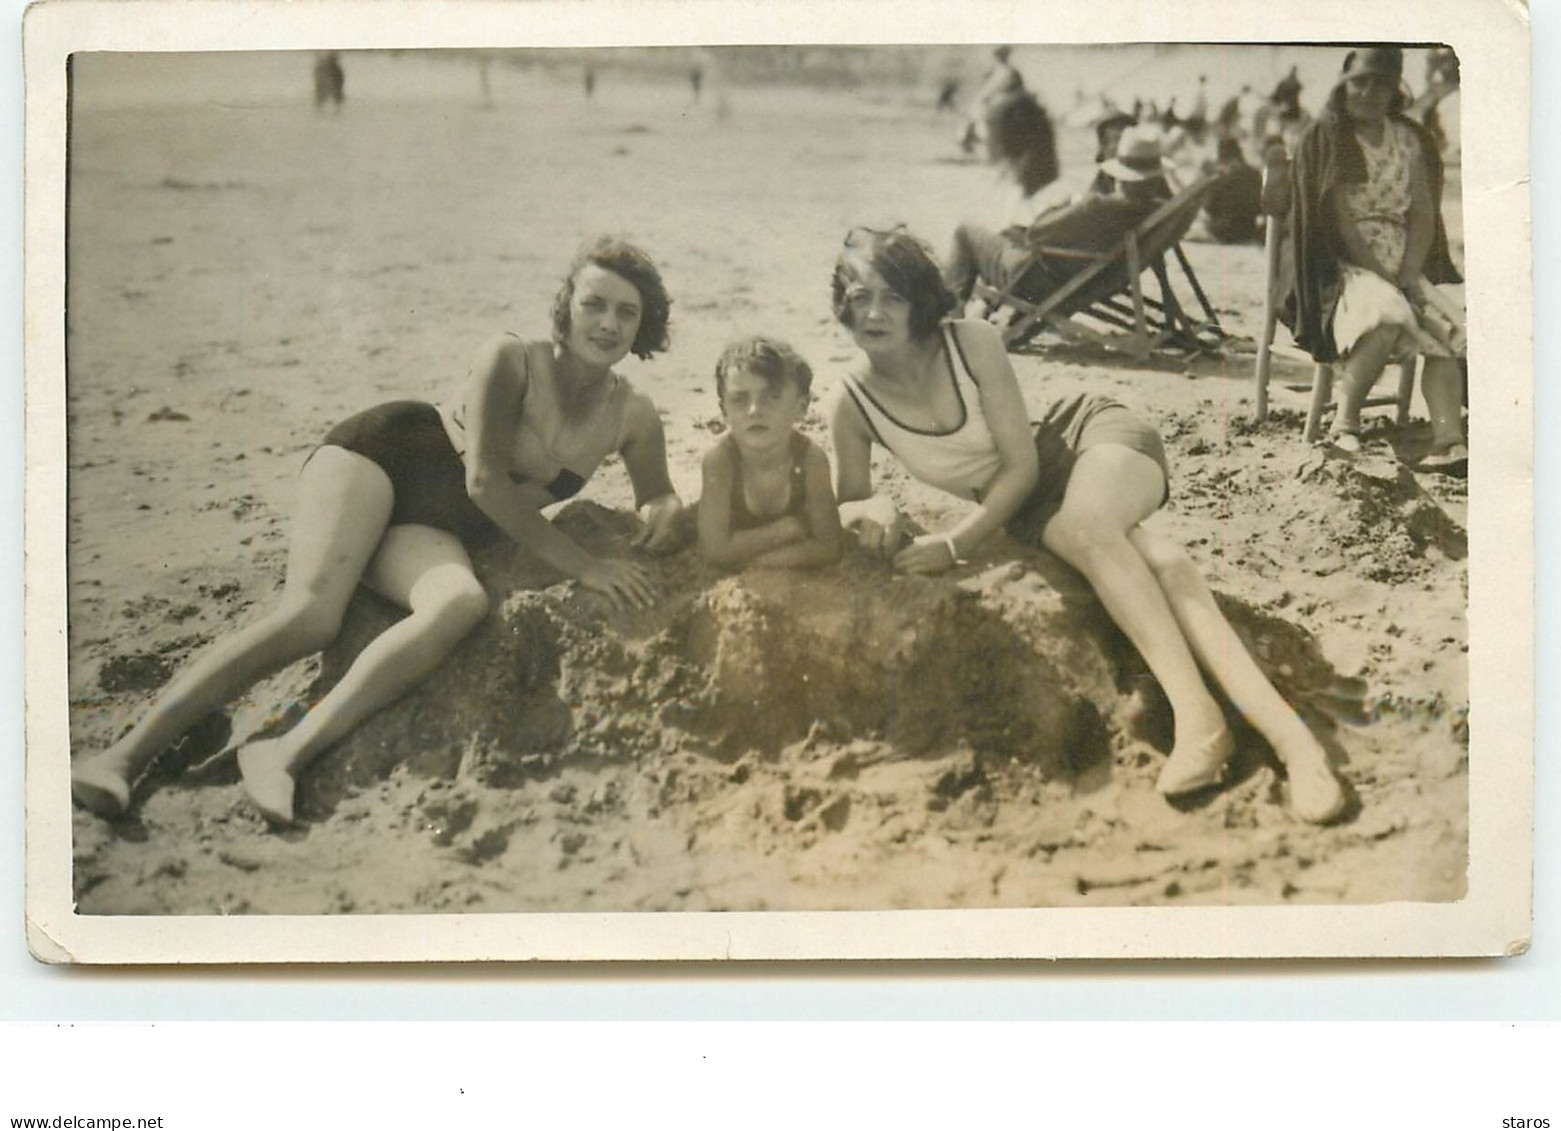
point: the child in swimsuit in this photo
(767, 498)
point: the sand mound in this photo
(998, 668)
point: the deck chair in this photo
(1277, 189)
(1106, 288)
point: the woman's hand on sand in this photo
(927, 554)
(660, 524)
(625, 584)
(876, 523)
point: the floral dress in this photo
(1379, 208)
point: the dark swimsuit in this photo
(741, 518)
(1066, 429)
(407, 439)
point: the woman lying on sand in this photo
(942, 397)
(398, 497)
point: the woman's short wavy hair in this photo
(905, 263)
(622, 258)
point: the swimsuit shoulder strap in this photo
(965, 383)
(799, 455)
(860, 398)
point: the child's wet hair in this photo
(626, 260)
(906, 264)
(770, 358)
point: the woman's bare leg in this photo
(1155, 582)
(344, 503)
(421, 569)
(1441, 384)
(1361, 370)
(1111, 490)
(1315, 792)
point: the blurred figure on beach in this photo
(1287, 91)
(1230, 213)
(1002, 84)
(1282, 117)
(1228, 122)
(398, 498)
(1370, 249)
(696, 81)
(330, 82)
(767, 499)
(948, 95)
(1024, 144)
(1442, 86)
(588, 79)
(1196, 120)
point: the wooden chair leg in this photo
(1197, 288)
(1265, 347)
(1141, 329)
(1322, 393)
(1406, 389)
(1270, 318)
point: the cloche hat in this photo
(1385, 61)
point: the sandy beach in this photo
(245, 271)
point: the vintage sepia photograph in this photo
(770, 478)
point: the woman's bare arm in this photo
(644, 452)
(874, 519)
(719, 544)
(1018, 471)
(820, 543)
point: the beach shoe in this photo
(1191, 768)
(100, 791)
(1451, 460)
(1316, 796)
(1346, 444)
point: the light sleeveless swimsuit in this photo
(964, 460)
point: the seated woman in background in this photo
(1370, 248)
(399, 496)
(941, 396)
